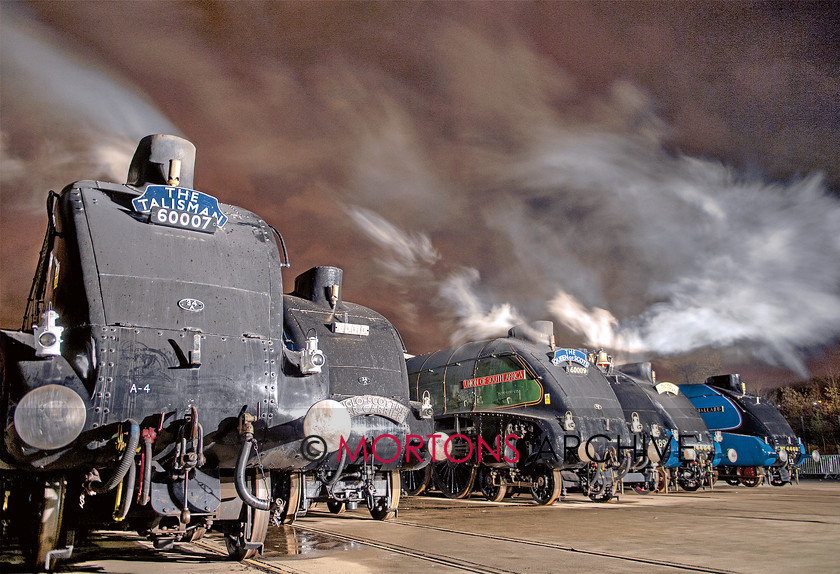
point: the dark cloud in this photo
(657, 177)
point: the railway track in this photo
(268, 563)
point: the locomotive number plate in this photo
(351, 329)
(374, 405)
(183, 219)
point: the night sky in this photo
(660, 179)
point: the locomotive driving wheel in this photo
(43, 516)
(546, 485)
(752, 476)
(454, 480)
(492, 492)
(416, 482)
(662, 479)
(382, 510)
(289, 488)
(245, 539)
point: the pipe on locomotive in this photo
(246, 429)
(149, 436)
(126, 461)
(239, 478)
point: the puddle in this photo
(289, 541)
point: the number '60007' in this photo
(176, 218)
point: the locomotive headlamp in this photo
(329, 420)
(313, 358)
(426, 409)
(689, 454)
(568, 421)
(50, 417)
(654, 430)
(636, 424)
(783, 455)
(718, 436)
(48, 335)
(732, 455)
(440, 446)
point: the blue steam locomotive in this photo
(756, 440)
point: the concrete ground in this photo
(731, 529)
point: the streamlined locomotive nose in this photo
(50, 417)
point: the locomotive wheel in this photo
(492, 492)
(546, 486)
(336, 506)
(44, 515)
(643, 488)
(194, 533)
(290, 489)
(381, 510)
(662, 479)
(454, 480)
(252, 526)
(732, 481)
(751, 476)
(416, 482)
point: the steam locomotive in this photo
(677, 439)
(514, 413)
(162, 381)
(755, 439)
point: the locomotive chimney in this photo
(731, 381)
(321, 285)
(164, 160)
(538, 332)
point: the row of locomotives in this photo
(518, 413)
(756, 441)
(675, 447)
(163, 382)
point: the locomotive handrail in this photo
(282, 246)
(39, 282)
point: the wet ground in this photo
(729, 529)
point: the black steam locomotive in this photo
(162, 380)
(515, 412)
(675, 438)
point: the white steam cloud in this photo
(80, 121)
(585, 218)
